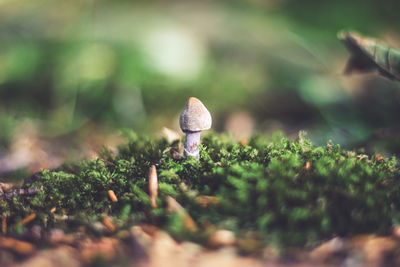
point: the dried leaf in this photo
(108, 223)
(222, 238)
(205, 201)
(188, 222)
(19, 247)
(368, 54)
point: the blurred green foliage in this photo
(133, 64)
(286, 192)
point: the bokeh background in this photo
(74, 73)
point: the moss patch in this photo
(277, 190)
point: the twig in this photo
(19, 191)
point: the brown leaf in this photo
(221, 238)
(63, 256)
(108, 223)
(105, 247)
(205, 201)
(377, 248)
(328, 251)
(57, 236)
(188, 222)
(16, 246)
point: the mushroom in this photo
(194, 118)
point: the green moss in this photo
(266, 187)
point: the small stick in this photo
(153, 186)
(5, 186)
(206, 201)
(28, 218)
(188, 222)
(4, 224)
(108, 223)
(19, 191)
(112, 196)
(307, 166)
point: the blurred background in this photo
(74, 73)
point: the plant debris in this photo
(371, 54)
(274, 192)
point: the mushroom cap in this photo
(195, 116)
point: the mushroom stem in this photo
(192, 144)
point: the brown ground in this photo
(148, 246)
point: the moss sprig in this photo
(288, 192)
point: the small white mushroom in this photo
(194, 118)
